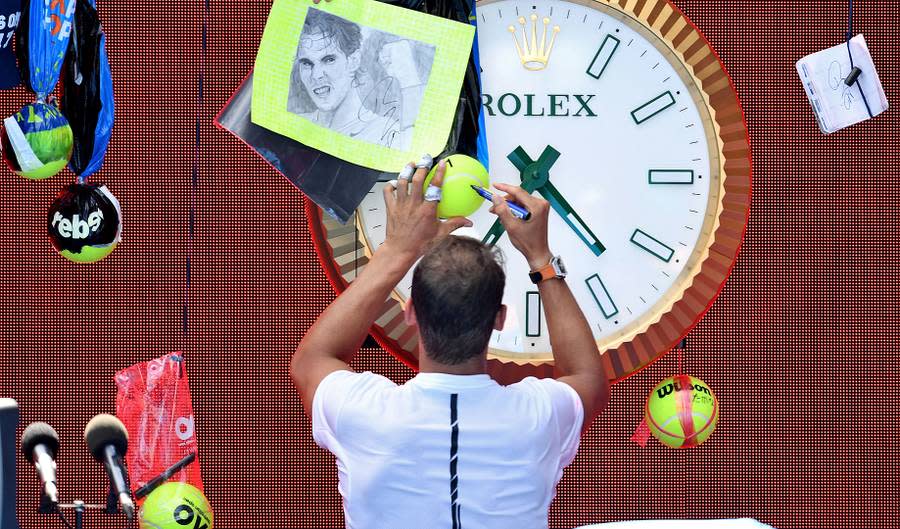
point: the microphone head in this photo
(39, 433)
(105, 430)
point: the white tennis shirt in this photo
(446, 451)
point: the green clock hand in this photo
(535, 176)
(562, 207)
(531, 170)
(532, 174)
(493, 235)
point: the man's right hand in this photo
(529, 237)
(575, 355)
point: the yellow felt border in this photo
(272, 76)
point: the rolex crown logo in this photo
(534, 54)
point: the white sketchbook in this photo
(835, 104)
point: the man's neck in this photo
(475, 366)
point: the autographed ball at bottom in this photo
(458, 198)
(176, 506)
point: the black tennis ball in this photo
(84, 222)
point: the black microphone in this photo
(107, 439)
(40, 444)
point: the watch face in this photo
(597, 110)
(560, 267)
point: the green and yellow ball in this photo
(458, 199)
(41, 145)
(176, 506)
(681, 411)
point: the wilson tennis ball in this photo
(681, 411)
(37, 141)
(84, 223)
(458, 199)
(175, 505)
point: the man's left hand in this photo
(412, 223)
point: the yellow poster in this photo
(367, 82)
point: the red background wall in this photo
(800, 347)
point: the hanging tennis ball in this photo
(681, 411)
(37, 141)
(458, 199)
(175, 505)
(84, 223)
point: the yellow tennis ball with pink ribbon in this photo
(681, 411)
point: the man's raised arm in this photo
(576, 358)
(337, 334)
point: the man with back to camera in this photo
(451, 448)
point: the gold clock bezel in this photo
(343, 250)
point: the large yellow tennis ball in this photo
(176, 506)
(681, 411)
(458, 199)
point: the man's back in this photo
(449, 451)
(446, 451)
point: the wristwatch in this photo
(555, 269)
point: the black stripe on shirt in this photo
(454, 448)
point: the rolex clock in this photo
(621, 116)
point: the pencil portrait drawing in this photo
(357, 81)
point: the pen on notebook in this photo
(518, 211)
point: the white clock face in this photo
(628, 144)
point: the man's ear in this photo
(500, 318)
(409, 314)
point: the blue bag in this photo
(41, 43)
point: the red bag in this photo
(154, 402)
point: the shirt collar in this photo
(452, 382)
